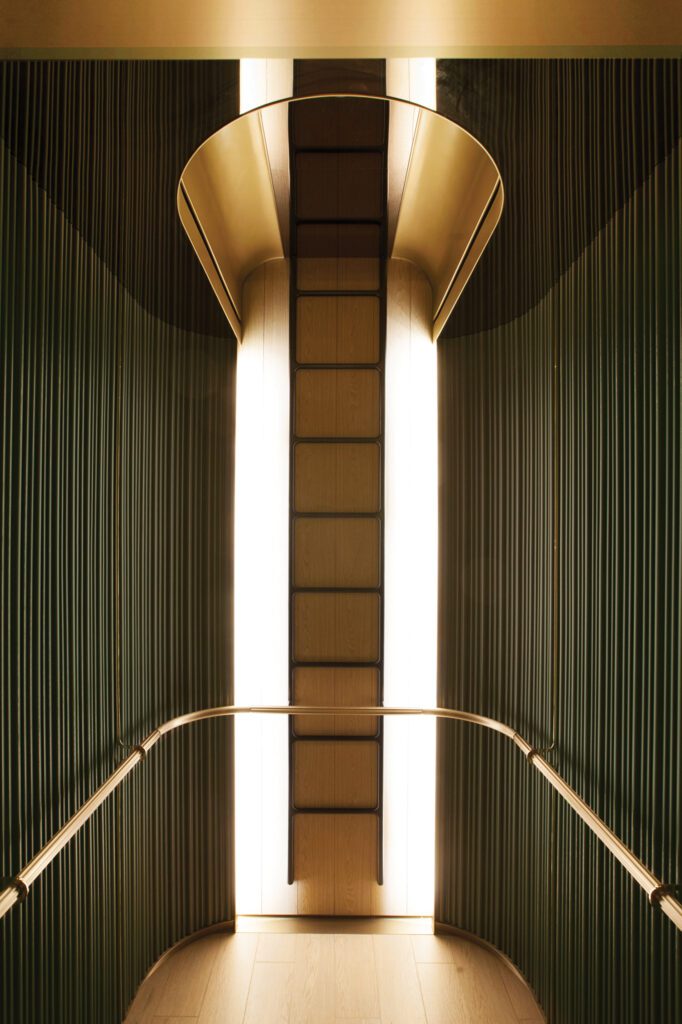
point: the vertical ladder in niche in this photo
(338, 329)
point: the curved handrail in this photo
(657, 892)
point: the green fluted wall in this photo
(116, 423)
(600, 446)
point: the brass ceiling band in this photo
(658, 892)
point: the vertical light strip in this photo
(264, 81)
(413, 79)
(411, 574)
(411, 548)
(261, 591)
(262, 539)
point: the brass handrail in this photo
(658, 893)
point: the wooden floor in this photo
(333, 979)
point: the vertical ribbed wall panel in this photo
(117, 465)
(602, 441)
(494, 812)
(573, 140)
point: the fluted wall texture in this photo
(588, 654)
(116, 478)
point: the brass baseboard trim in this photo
(440, 928)
(319, 925)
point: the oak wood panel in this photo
(276, 948)
(339, 123)
(337, 329)
(317, 274)
(356, 863)
(339, 241)
(327, 977)
(337, 477)
(185, 979)
(482, 982)
(442, 993)
(337, 553)
(312, 999)
(333, 774)
(270, 994)
(356, 994)
(172, 1020)
(228, 985)
(314, 868)
(432, 949)
(400, 995)
(484, 990)
(520, 996)
(336, 686)
(336, 627)
(337, 403)
(335, 863)
(301, 925)
(338, 185)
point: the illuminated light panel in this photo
(264, 81)
(261, 582)
(413, 79)
(261, 569)
(410, 589)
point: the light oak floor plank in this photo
(313, 984)
(485, 991)
(319, 975)
(185, 978)
(269, 999)
(521, 997)
(400, 995)
(471, 982)
(443, 994)
(228, 985)
(335, 925)
(431, 949)
(274, 948)
(355, 979)
(173, 1020)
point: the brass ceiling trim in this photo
(445, 199)
(326, 28)
(321, 52)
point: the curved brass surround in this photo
(444, 192)
(659, 894)
(227, 206)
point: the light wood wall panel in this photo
(336, 627)
(319, 274)
(336, 864)
(337, 552)
(352, 687)
(339, 185)
(334, 774)
(337, 329)
(337, 477)
(338, 403)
